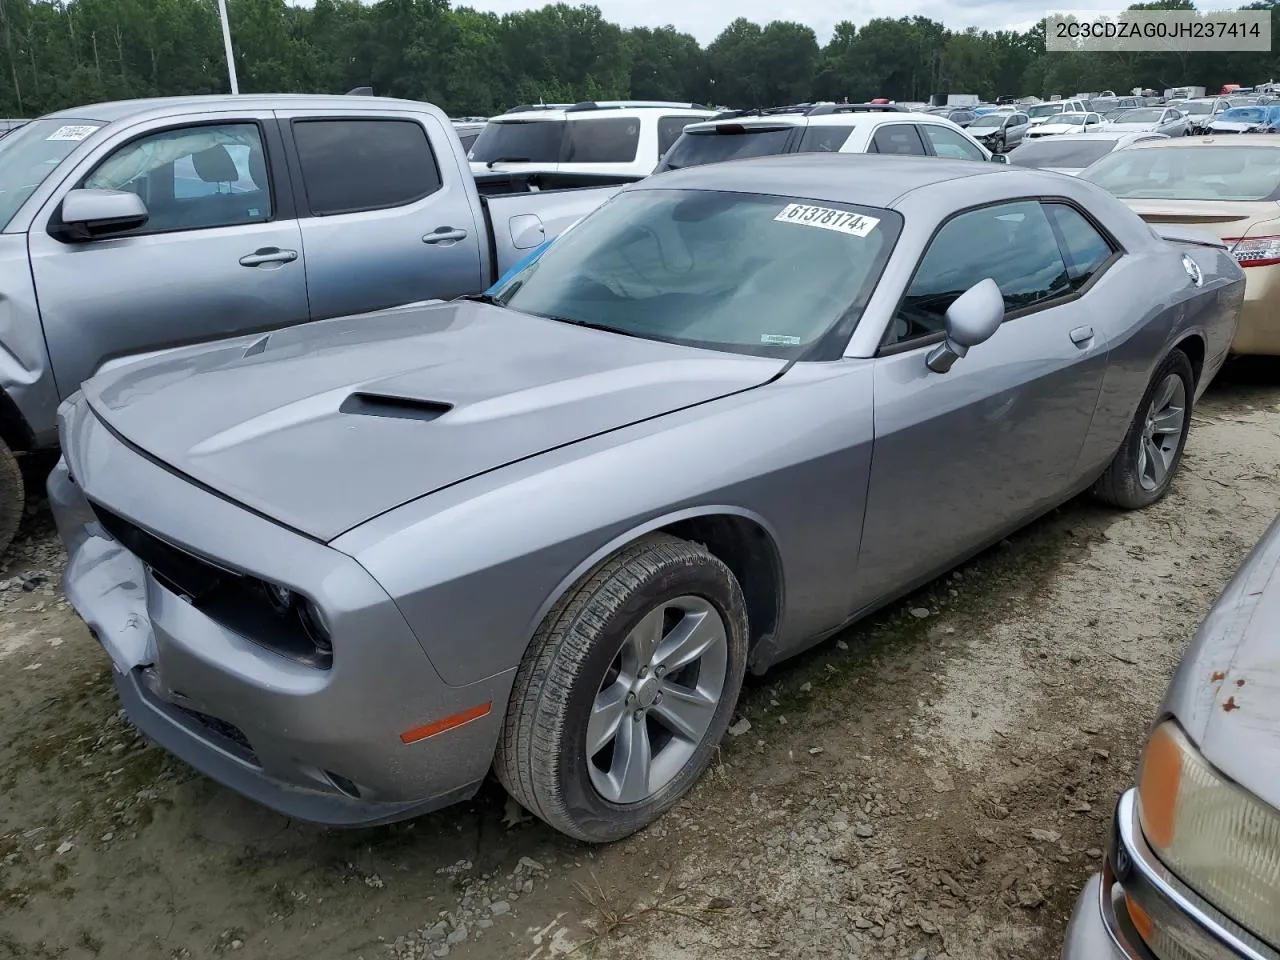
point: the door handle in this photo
(1081, 336)
(445, 235)
(268, 255)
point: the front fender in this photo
(475, 567)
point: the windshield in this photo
(1045, 110)
(1073, 119)
(696, 147)
(743, 273)
(533, 141)
(30, 154)
(1064, 154)
(988, 120)
(1196, 107)
(1244, 115)
(1190, 173)
(1141, 115)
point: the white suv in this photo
(1044, 112)
(619, 137)
(821, 128)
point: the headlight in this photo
(1222, 841)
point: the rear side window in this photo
(950, 144)
(612, 140)
(898, 138)
(354, 165)
(1084, 248)
(669, 130)
(531, 141)
(824, 139)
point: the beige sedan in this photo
(1228, 185)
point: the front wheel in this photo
(1143, 468)
(13, 496)
(626, 690)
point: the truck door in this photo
(384, 214)
(220, 254)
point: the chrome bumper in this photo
(1186, 927)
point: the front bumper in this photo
(1259, 329)
(317, 744)
(1185, 926)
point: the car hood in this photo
(323, 426)
(1069, 171)
(1226, 692)
(1233, 126)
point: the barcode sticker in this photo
(72, 132)
(841, 221)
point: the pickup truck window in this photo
(742, 273)
(30, 154)
(610, 140)
(349, 166)
(189, 177)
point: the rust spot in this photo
(1217, 677)
(1239, 683)
(1230, 705)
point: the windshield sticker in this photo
(841, 221)
(778, 340)
(74, 132)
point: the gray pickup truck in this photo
(133, 227)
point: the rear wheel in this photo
(1144, 466)
(626, 690)
(13, 496)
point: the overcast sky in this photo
(706, 18)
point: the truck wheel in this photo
(13, 496)
(1143, 468)
(626, 690)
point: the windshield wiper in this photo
(507, 160)
(590, 325)
(482, 298)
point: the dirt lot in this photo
(934, 783)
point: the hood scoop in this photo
(385, 405)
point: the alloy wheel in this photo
(1162, 432)
(657, 699)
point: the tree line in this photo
(60, 53)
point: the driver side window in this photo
(192, 178)
(1012, 243)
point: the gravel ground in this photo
(936, 782)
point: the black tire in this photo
(1120, 485)
(542, 755)
(1000, 145)
(13, 496)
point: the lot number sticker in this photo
(841, 221)
(74, 132)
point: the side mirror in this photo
(90, 214)
(973, 318)
(998, 158)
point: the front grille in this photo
(181, 572)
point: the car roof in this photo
(873, 180)
(1190, 143)
(110, 111)
(829, 119)
(604, 109)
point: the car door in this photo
(1016, 129)
(384, 214)
(220, 255)
(961, 458)
(1092, 123)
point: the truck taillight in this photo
(1255, 251)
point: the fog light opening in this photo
(343, 784)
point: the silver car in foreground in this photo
(348, 568)
(1193, 870)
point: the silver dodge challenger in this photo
(349, 568)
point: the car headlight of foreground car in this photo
(1223, 842)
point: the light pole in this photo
(226, 42)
